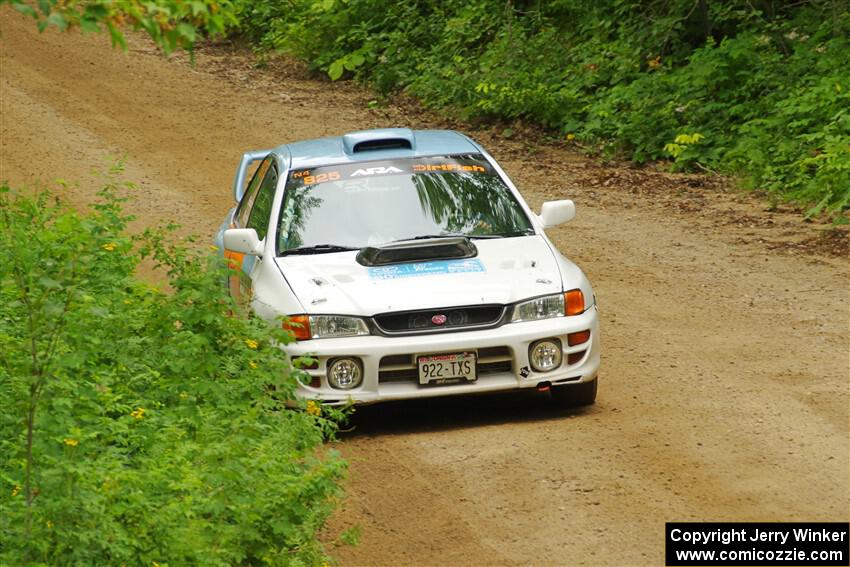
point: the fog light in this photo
(345, 373)
(545, 355)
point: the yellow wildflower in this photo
(571, 137)
(183, 395)
(70, 442)
(654, 63)
(138, 413)
(251, 343)
(154, 564)
(252, 364)
(313, 408)
(109, 246)
(16, 490)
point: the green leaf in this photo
(58, 20)
(27, 10)
(335, 70)
(357, 59)
(117, 37)
(198, 8)
(89, 25)
(187, 31)
(48, 283)
(351, 536)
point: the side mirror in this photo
(553, 213)
(243, 241)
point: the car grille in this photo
(437, 320)
(403, 367)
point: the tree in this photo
(172, 24)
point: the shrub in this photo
(764, 84)
(141, 427)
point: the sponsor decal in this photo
(375, 171)
(448, 167)
(310, 179)
(419, 269)
(338, 172)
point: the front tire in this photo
(575, 395)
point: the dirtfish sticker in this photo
(425, 269)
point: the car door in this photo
(253, 212)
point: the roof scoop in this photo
(417, 251)
(374, 140)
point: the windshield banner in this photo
(406, 166)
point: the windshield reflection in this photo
(480, 204)
(372, 203)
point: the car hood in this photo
(504, 271)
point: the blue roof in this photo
(344, 149)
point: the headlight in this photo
(325, 326)
(540, 308)
(306, 327)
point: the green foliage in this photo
(172, 24)
(765, 83)
(140, 427)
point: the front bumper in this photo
(509, 370)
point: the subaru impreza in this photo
(406, 264)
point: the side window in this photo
(259, 217)
(250, 195)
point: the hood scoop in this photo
(417, 251)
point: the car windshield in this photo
(350, 206)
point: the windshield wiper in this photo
(429, 236)
(317, 249)
(505, 235)
(526, 232)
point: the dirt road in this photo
(724, 388)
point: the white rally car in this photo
(408, 265)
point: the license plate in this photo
(447, 368)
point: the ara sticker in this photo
(375, 171)
(425, 269)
